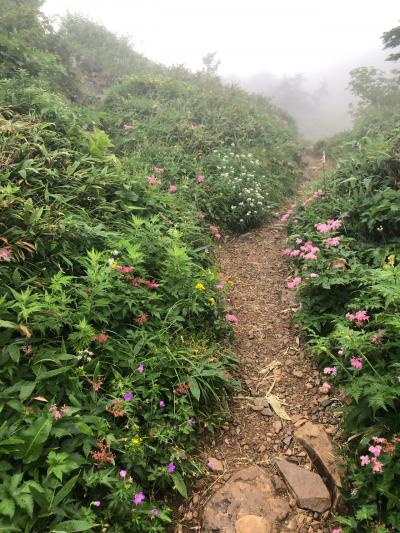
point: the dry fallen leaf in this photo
(276, 405)
(40, 399)
(25, 331)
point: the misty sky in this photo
(279, 36)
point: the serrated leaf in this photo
(25, 502)
(7, 507)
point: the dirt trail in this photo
(272, 354)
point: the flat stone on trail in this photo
(248, 492)
(215, 465)
(277, 425)
(308, 488)
(252, 524)
(319, 447)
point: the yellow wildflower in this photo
(200, 287)
(136, 441)
(212, 300)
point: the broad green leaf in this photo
(179, 484)
(26, 390)
(36, 436)
(14, 352)
(73, 526)
(66, 489)
(195, 389)
(7, 507)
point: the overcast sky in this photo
(279, 36)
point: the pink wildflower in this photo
(139, 497)
(379, 440)
(294, 283)
(5, 254)
(364, 460)
(334, 224)
(231, 318)
(310, 256)
(322, 227)
(152, 180)
(325, 388)
(101, 338)
(142, 319)
(375, 450)
(57, 415)
(122, 473)
(332, 241)
(285, 217)
(190, 422)
(64, 409)
(220, 287)
(337, 530)
(128, 396)
(97, 503)
(171, 468)
(359, 318)
(140, 368)
(173, 188)
(158, 170)
(356, 362)
(329, 225)
(127, 126)
(124, 269)
(154, 511)
(294, 253)
(287, 251)
(200, 179)
(299, 241)
(377, 466)
(162, 403)
(330, 370)
(340, 265)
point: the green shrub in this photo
(345, 243)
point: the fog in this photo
(298, 52)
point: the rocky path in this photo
(262, 466)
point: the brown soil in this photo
(273, 358)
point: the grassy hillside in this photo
(117, 179)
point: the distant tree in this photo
(211, 63)
(96, 53)
(391, 39)
(24, 39)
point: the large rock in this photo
(308, 488)
(320, 449)
(251, 523)
(248, 492)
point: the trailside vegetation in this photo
(345, 244)
(117, 178)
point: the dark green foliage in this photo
(360, 273)
(391, 39)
